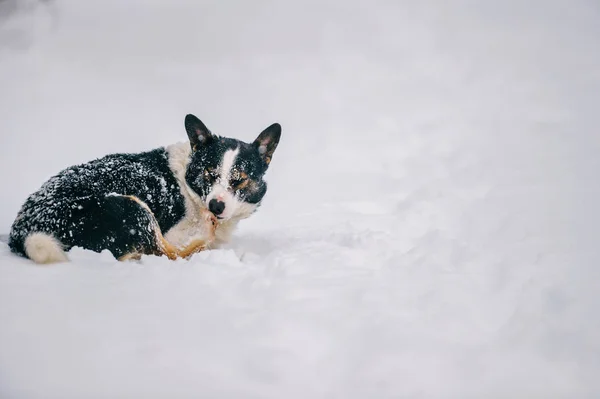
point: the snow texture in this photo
(430, 229)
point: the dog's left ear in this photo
(267, 141)
(197, 132)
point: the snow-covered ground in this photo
(430, 229)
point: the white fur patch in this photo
(44, 249)
(179, 159)
(190, 227)
(227, 163)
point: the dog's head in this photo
(226, 173)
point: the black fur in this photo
(76, 207)
(267, 142)
(197, 132)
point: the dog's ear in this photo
(197, 132)
(267, 141)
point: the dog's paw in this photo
(210, 223)
(209, 219)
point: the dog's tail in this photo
(42, 248)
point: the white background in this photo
(430, 228)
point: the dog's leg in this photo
(164, 247)
(172, 252)
(193, 247)
(169, 250)
(135, 230)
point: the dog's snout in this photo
(216, 207)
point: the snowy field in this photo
(430, 229)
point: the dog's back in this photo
(77, 207)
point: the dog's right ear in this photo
(198, 133)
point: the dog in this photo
(173, 201)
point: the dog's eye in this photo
(239, 183)
(238, 177)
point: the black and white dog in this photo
(172, 201)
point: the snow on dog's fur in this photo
(171, 201)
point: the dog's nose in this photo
(216, 207)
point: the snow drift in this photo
(430, 225)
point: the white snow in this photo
(432, 218)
